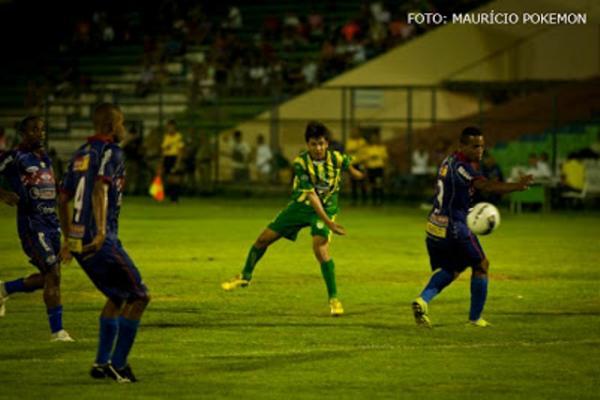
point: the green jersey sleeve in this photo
(343, 160)
(302, 180)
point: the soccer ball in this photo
(483, 218)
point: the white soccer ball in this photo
(483, 218)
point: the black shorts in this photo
(375, 175)
(169, 164)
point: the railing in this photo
(408, 116)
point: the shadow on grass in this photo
(275, 325)
(243, 363)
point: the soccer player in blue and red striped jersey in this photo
(94, 182)
(452, 247)
(29, 174)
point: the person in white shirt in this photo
(264, 157)
(538, 167)
(240, 154)
(543, 167)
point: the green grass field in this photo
(276, 340)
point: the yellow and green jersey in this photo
(324, 177)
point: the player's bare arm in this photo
(503, 187)
(99, 206)
(356, 174)
(9, 198)
(315, 203)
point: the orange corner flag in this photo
(157, 190)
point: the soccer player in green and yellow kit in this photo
(317, 179)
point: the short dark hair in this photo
(469, 132)
(315, 130)
(172, 122)
(24, 124)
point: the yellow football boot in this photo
(335, 307)
(234, 283)
(419, 307)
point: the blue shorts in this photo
(42, 248)
(458, 251)
(114, 273)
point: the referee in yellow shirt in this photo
(171, 150)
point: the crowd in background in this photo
(283, 53)
(238, 57)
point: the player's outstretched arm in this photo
(318, 207)
(504, 187)
(356, 174)
(10, 198)
(99, 210)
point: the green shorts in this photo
(297, 216)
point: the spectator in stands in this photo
(258, 76)
(350, 31)
(271, 27)
(3, 139)
(377, 35)
(379, 13)
(420, 161)
(375, 159)
(82, 38)
(240, 154)
(34, 96)
(234, 19)
(572, 174)
(172, 152)
(206, 83)
(400, 30)
(315, 27)
(543, 166)
(420, 168)
(572, 179)
(539, 169)
(292, 77)
(147, 80)
(264, 159)
(237, 79)
(309, 71)
(355, 146)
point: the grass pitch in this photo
(276, 340)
